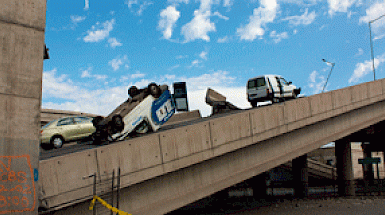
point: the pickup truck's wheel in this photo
(154, 90)
(133, 91)
(294, 95)
(254, 103)
(118, 123)
(57, 142)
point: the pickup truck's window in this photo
(259, 82)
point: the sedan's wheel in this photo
(57, 142)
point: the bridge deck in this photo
(174, 167)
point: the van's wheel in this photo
(57, 142)
(154, 90)
(254, 103)
(275, 100)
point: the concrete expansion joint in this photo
(21, 24)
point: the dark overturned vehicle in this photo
(145, 110)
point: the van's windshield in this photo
(255, 83)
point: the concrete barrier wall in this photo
(65, 178)
(171, 150)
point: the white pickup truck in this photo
(146, 110)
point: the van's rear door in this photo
(257, 88)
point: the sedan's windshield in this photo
(46, 125)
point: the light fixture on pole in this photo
(371, 43)
(329, 72)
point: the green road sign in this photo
(369, 161)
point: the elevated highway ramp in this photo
(171, 168)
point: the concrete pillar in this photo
(300, 176)
(345, 175)
(368, 171)
(22, 26)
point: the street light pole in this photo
(371, 50)
(329, 73)
(371, 43)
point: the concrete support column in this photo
(300, 176)
(345, 175)
(368, 171)
(22, 25)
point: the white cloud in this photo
(195, 63)
(304, 19)
(340, 6)
(203, 55)
(86, 4)
(86, 73)
(174, 67)
(216, 13)
(366, 68)
(138, 6)
(177, 1)
(181, 56)
(113, 42)
(98, 33)
(263, 15)
(76, 19)
(228, 3)
(224, 39)
(373, 12)
(198, 27)
(118, 61)
(168, 18)
(316, 82)
(278, 37)
(137, 74)
(360, 52)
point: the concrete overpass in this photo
(169, 169)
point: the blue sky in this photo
(99, 49)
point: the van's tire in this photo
(57, 142)
(275, 100)
(154, 90)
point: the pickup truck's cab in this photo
(270, 88)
